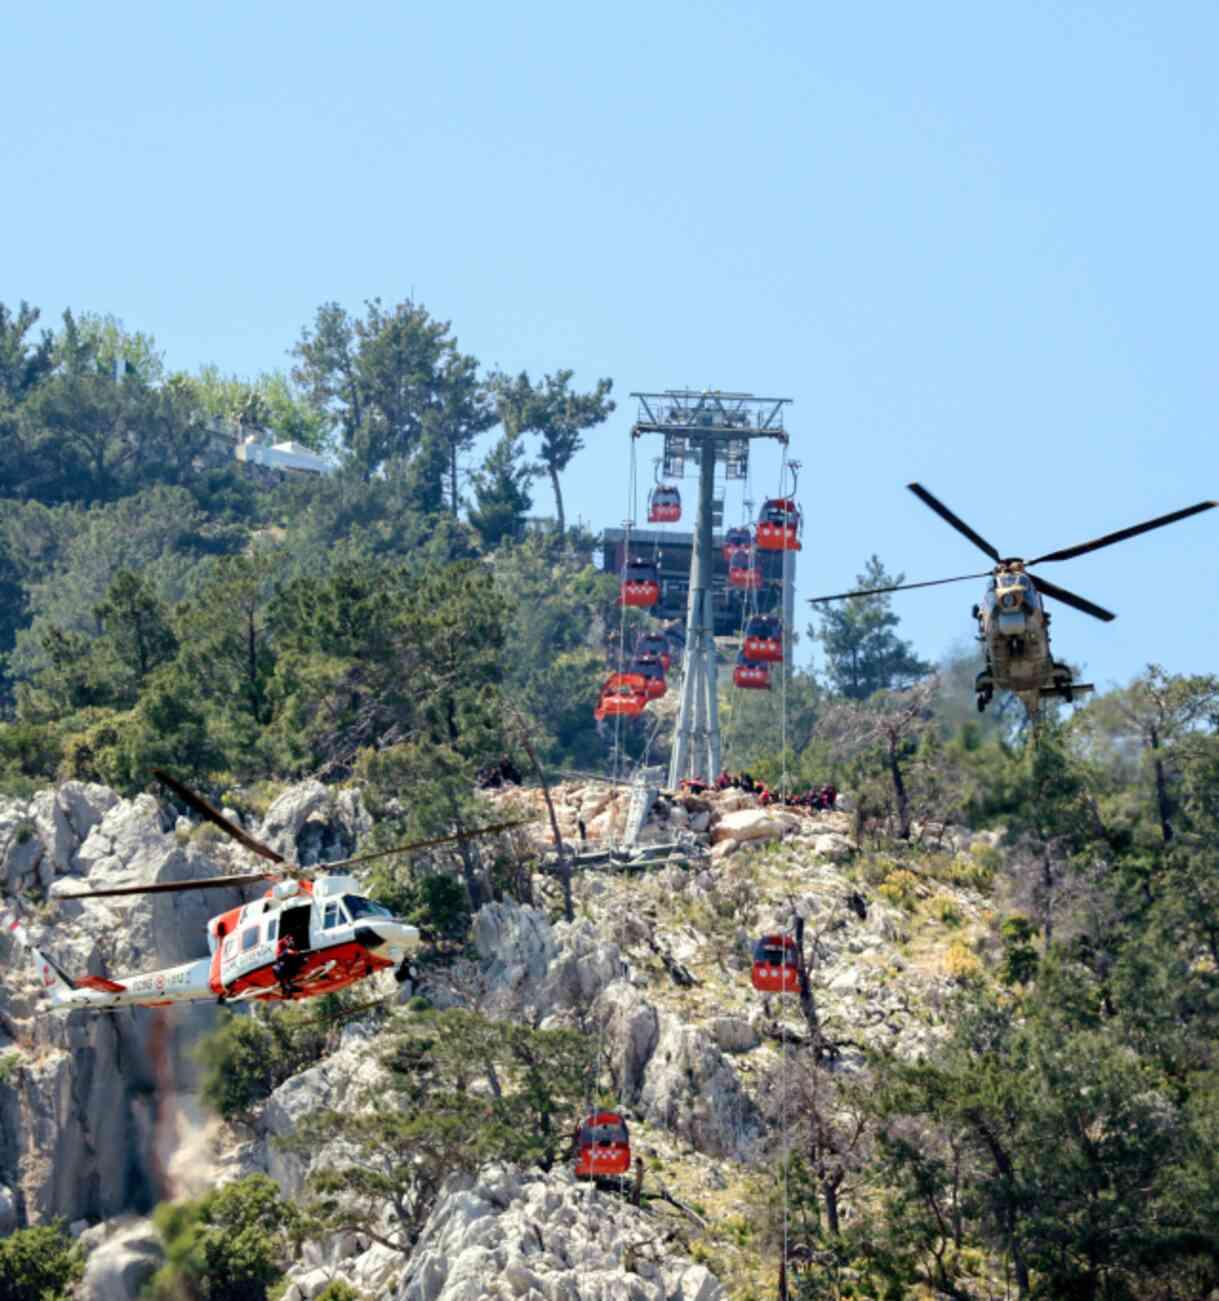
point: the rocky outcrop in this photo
(311, 823)
(533, 970)
(743, 825)
(120, 1266)
(345, 1079)
(514, 1234)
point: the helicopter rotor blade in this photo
(1069, 553)
(213, 815)
(955, 520)
(173, 887)
(249, 878)
(901, 587)
(491, 830)
(1069, 598)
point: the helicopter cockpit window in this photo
(359, 907)
(249, 938)
(332, 916)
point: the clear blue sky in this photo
(975, 244)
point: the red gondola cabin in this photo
(664, 505)
(735, 538)
(640, 584)
(654, 643)
(603, 1146)
(650, 669)
(763, 639)
(624, 696)
(776, 965)
(779, 525)
(743, 571)
(750, 675)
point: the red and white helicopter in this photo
(312, 933)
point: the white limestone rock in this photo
(510, 1234)
(311, 823)
(832, 845)
(754, 824)
(535, 969)
(120, 1267)
(690, 1089)
(733, 1034)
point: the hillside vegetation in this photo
(1002, 1080)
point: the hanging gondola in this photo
(743, 571)
(603, 1146)
(763, 639)
(624, 695)
(750, 674)
(650, 669)
(664, 504)
(640, 583)
(776, 965)
(734, 538)
(657, 644)
(779, 525)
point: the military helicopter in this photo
(312, 933)
(1013, 623)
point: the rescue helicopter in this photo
(1013, 623)
(313, 932)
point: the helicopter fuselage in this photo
(1013, 626)
(298, 941)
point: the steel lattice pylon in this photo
(710, 427)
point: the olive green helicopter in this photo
(1013, 623)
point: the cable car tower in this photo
(712, 429)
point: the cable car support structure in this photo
(710, 428)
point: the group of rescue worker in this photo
(815, 798)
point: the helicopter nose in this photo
(397, 936)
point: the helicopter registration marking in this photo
(157, 982)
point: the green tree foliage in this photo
(558, 610)
(24, 363)
(465, 1090)
(1037, 1132)
(863, 653)
(558, 415)
(100, 423)
(71, 556)
(501, 493)
(246, 1057)
(271, 402)
(39, 1264)
(228, 1245)
(395, 386)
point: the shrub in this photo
(248, 1056)
(38, 1264)
(228, 1245)
(339, 1291)
(945, 908)
(962, 964)
(901, 887)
